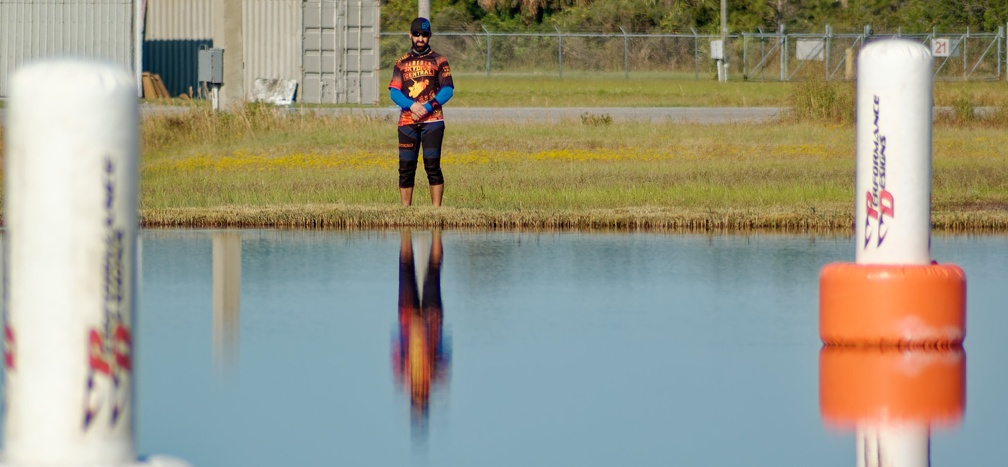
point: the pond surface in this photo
(524, 349)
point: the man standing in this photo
(421, 84)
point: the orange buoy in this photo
(892, 304)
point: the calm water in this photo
(517, 349)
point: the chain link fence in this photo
(751, 56)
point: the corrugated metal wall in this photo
(271, 40)
(179, 20)
(31, 29)
(174, 32)
(177, 29)
(332, 54)
(330, 47)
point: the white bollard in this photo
(70, 212)
(893, 167)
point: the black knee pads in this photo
(407, 172)
(433, 168)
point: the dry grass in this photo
(264, 167)
(341, 216)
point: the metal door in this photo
(340, 52)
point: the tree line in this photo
(702, 16)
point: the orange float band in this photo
(872, 384)
(892, 305)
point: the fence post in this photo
(934, 35)
(1000, 35)
(762, 45)
(559, 49)
(626, 54)
(829, 32)
(488, 50)
(783, 60)
(745, 45)
(965, 41)
(724, 52)
(696, 55)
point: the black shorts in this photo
(411, 139)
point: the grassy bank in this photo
(260, 167)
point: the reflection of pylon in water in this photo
(891, 398)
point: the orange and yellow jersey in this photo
(420, 77)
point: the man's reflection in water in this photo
(420, 356)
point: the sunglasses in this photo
(420, 34)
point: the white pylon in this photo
(70, 256)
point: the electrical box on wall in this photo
(210, 68)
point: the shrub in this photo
(818, 100)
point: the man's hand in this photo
(419, 111)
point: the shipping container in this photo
(36, 29)
(328, 47)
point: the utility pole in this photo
(423, 8)
(780, 16)
(724, 19)
(723, 62)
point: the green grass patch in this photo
(676, 90)
(262, 166)
(576, 90)
(267, 167)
